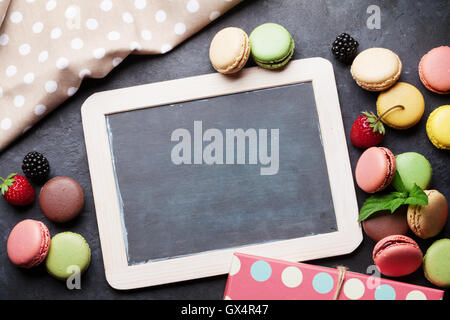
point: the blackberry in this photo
(35, 166)
(344, 48)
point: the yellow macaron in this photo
(401, 107)
(438, 127)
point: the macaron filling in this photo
(278, 62)
(391, 169)
(272, 46)
(45, 244)
(241, 58)
(390, 243)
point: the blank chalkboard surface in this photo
(188, 171)
(171, 210)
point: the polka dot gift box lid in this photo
(258, 278)
(47, 47)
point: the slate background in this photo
(410, 28)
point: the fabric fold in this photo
(4, 5)
(48, 47)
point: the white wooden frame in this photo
(119, 274)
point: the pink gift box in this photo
(258, 278)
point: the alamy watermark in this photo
(251, 141)
(74, 280)
(374, 20)
(374, 280)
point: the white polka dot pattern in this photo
(47, 47)
(416, 295)
(292, 277)
(354, 288)
(235, 266)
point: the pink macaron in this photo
(375, 169)
(397, 256)
(434, 70)
(28, 243)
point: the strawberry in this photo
(17, 190)
(367, 131)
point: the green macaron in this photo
(68, 252)
(272, 45)
(412, 168)
(436, 263)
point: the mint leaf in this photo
(417, 196)
(400, 185)
(392, 201)
(378, 203)
(395, 204)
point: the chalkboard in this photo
(187, 172)
(171, 210)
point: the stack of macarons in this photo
(396, 254)
(270, 45)
(61, 199)
(401, 106)
(379, 69)
(29, 244)
(434, 72)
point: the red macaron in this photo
(375, 169)
(397, 256)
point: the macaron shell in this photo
(376, 69)
(412, 168)
(434, 70)
(398, 259)
(436, 263)
(375, 169)
(270, 43)
(385, 223)
(438, 127)
(244, 59)
(428, 221)
(278, 64)
(67, 249)
(409, 97)
(61, 199)
(28, 243)
(229, 50)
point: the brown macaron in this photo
(61, 199)
(385, 223)
(427, 221)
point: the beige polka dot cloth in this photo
(47, 47)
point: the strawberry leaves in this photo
(374, 122)
(392, 201)
(8, 182)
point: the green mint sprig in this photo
(393, 201)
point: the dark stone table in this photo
(410, 28)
